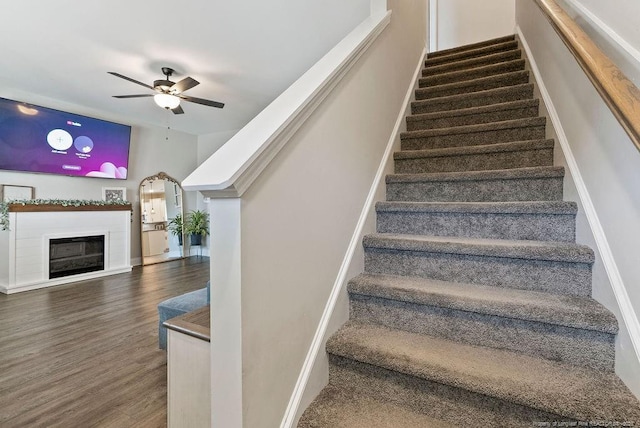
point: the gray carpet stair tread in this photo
(514, 146)
(343, 408)
(568, 311)
(521, 207)
(468, 129)
(472, 46)
(556, 388)
(491, 58)
(501, 248)
(480, 83)
(512, 105)
(471, 53)
(473, 99)
(484, 70)
(502, 174)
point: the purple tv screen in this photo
(40, 139)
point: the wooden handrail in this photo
(620, 94)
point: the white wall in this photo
(208, 144)
(607, 172)
(149, 154)
(460, 22)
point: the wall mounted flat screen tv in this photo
(40, 139)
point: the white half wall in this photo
(604, 173)
(297, 220)
(460, 22)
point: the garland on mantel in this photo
(4, 206)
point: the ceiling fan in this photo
(168, 93)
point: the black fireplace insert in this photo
(72, 256)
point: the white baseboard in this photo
(63, 281)
(625, 307)
(317, 343)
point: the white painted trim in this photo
(356, 239)
(230, 171)
(65, 280)
(610, 32)
(433, 25)
(627, 312)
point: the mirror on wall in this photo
(161, 215)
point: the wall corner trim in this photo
(318, 339)
(629, 317)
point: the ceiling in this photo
(243, 53)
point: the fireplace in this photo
(72, 256)
(25, 262)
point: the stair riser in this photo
(433, 70)
(522, 133)
(472, 86)
(473, 100)
(475, 73)
(456, 406)
(529, 189)
(538, 275)
(476, 162)
(535, 227)
(472, 119)
(472, 53)
(574, 346)
(470, 47)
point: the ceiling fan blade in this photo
(184, 84)
(202, 101)
(129, 79)
(177, 110)
(133, 96)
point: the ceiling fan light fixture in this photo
(168, 94)
(167, 101)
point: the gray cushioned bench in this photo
(179, 305)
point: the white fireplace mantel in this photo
(24, 248)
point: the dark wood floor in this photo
(86, 354)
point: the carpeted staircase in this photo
(474, 308)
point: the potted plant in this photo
(197, 226)
(175, 227)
